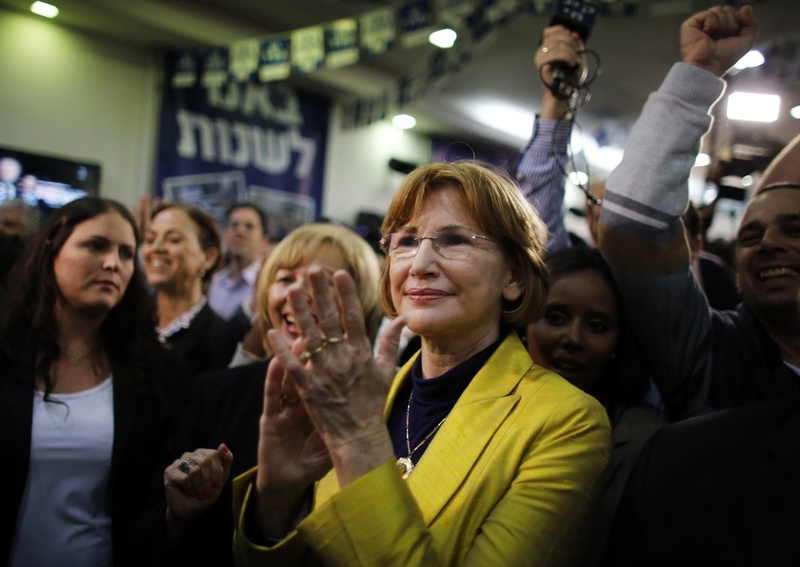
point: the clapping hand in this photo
(324, 397)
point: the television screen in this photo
(46, 182)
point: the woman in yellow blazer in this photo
(479, 457)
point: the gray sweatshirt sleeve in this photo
(643, 240)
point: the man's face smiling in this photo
(768, 253)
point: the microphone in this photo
(577, 16)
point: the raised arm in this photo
(641, 233)
(542, 169)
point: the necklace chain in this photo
(405, 464)
(76, 359)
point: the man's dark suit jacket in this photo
(722, 489)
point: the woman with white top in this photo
(87, 393)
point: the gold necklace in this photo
(77, 359)
(405, 464)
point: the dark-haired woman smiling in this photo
(181, 251)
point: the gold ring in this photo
(289, 400)
(545, 49)
(305, 355)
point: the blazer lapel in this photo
(16, 418)
(470, 427)
(124, 396)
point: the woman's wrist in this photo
(276, 511)
(356, 457)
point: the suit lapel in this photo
(16, 418)
(124, 396)
(470, 427)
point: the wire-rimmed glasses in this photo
(450, 243)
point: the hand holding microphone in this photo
(576, 17)
(558, 56)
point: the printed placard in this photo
(215, 67)
(244, 57)
(341, 43)
(308, 49)
(185, 74)
(378, 31)
(416, 22)
(275, 64)
(452, 12)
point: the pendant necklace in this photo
(405, 464)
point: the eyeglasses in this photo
(452, 243)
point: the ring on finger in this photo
(305, 355)
(333, 340)
(186, 465)
(289, 400)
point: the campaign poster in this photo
(228, 141)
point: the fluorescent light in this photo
(444, 38)
(578, 178)
(795, 112)
(751, 59)
(510, 119)
(404, 121)
(753, 107)
(702, 160)
(710, 195)
(44, 9)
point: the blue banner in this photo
(235, 141)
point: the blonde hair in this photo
(496, 204)
(302, 244)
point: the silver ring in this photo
(333, 340)
(186, 465)
(305, 355)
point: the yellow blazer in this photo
(511, 478)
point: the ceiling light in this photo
(444, 38)
(44, 9)
(514, 120)
(404, 121)
(751, 59)
(702, 160)
(578, 178)
(753, 107)
(795, 112)
(710, 195)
